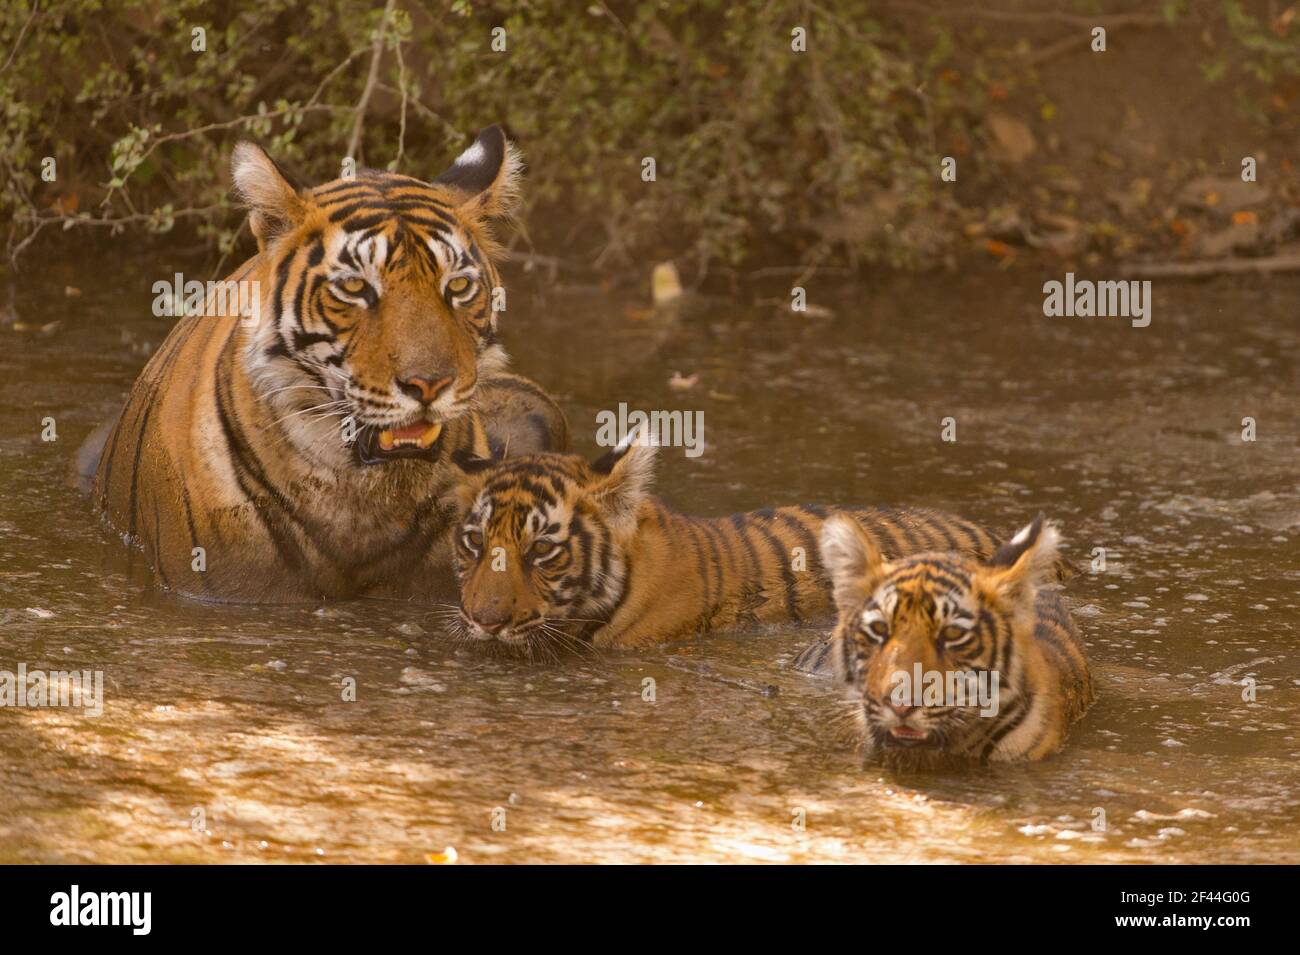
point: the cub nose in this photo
(491, 618)
(423, 389)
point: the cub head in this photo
(925, 646)
(540, 557)
(375, 312)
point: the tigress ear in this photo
(488, 173)
(1026, 561)
(626, 475)
(274, 203)
(852, 560)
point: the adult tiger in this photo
(555, 551)
(308, 451)
(1009, 673)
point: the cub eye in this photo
(457, 285)
(543, 551)
(879, 630)
(952, 634)
(472, 540)
(352, 286)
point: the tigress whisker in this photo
(299, 387)
(310, 450)
(337, 404)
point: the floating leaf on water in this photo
(818, 311)
(447, 856)
(665, 283)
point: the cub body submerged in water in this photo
(554, 550)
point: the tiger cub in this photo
(946, 656)
(555, 550)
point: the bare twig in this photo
(1046, 54)
(39, 222)
(1033, 16)
(802, 270)
(21, 33)
(551, 263)
(376, 54)
(225, 255)
(401, 130)
(311, 106)
(613, 16)
(1042, 54)
(243, 120)
(706, 672)
(1203, 267)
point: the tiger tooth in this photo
(386, 440)
(430, 435)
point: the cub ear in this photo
(1026, 561)
(474, 473)
(852, 560)
(488, 173)
(274, 204)
(625, 476)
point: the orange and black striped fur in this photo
(554, 551)
(973, 624)
(306, 450)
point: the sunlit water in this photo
(1131, 438)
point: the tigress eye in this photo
(879, 630)
(352, 286)
(472, 540)
(952, 635)
(543, 551)
(457, 285)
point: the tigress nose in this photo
(424, 389)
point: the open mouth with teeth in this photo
(419, 439)
(908, 736)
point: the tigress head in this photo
(943, 614)
(377, 314)
(540, 557)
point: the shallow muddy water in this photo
(224, 737)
